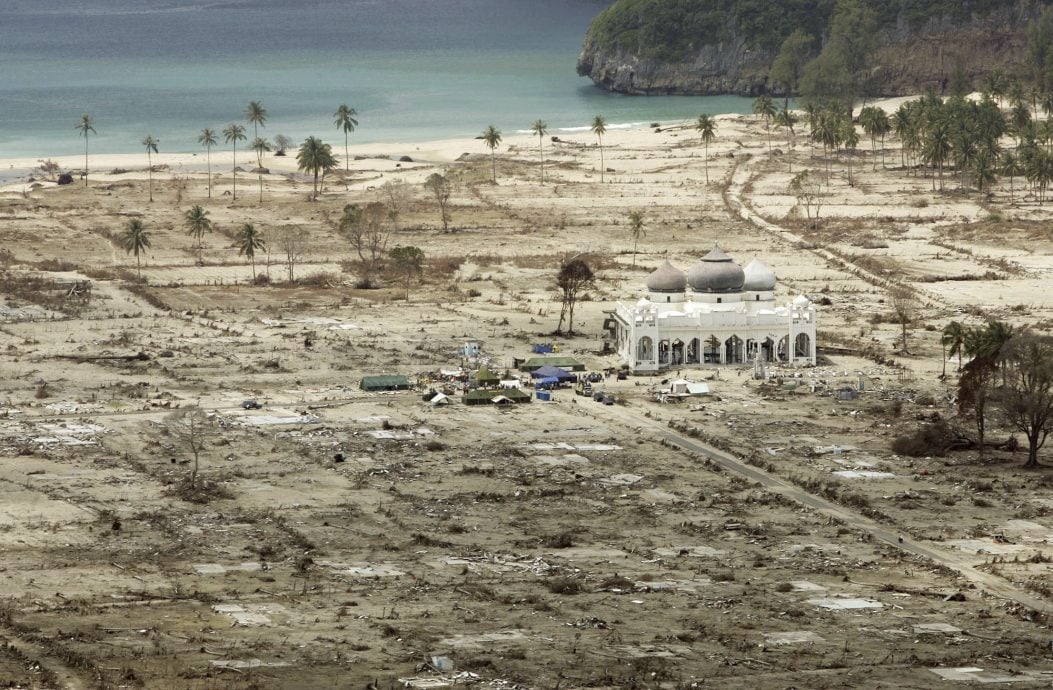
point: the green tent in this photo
(485, 377)
(386, 383)
(485, 397)
(568, 363)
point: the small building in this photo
(566, 363)
(386, 382)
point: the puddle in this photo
(845, 604)
(217, 569)
(249, 614)
(484, 638)
(691, 551)
(864, 474)
(942, 628)
(363, 569)
(793, 637)
(690, 586)
(621, 479)
(979, 675)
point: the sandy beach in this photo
(766, 535)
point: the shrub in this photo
(931, 439)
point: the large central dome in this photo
(716, 272)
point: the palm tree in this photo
(764, 107)
(599, 128)
(786, 119)
(850, 138)
(85, 126)
(250, 240)
(937, 147)
(876, 124)
(983, 168)
(197, 224)
(540, 128)
(260, 146)
(1009, 165)
(492, 138)
(135, 240)
(345, 121)
(151, 147)
(256, 114)
(233, 133)
(207, 138)
(636, 221)
(707, 129)
(953, 341)
(316, 157)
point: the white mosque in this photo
(716, 313)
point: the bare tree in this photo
(396, 194)
(1026, 397)
(905, 309)
(366, 229)
(292, 242)
(192, 429)
(574, 275)
(808, 188)
(441, 187)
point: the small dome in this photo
(716, 272)
(759, 278)
(667, 278)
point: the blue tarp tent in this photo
(546, 382)
(550, 372)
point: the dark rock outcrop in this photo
(908, 59)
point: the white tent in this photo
(685, 387)
(440, 399)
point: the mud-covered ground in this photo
(551, 545)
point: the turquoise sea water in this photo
(413, 69)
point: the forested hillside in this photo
(754, 46)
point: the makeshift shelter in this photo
(684, 387)
(548, 372)
(441, 399)
(480, 396)
(547, 382)
(386, 383)
(485, 377)
(567, 363)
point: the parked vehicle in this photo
(583, 388)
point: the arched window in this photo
(645, 349)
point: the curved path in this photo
(955, 560)
(740, 177)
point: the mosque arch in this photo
(677, 352)
(734, 350)
(802, 345)
(645, 349)
(782, 350)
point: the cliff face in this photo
(722, 68)
(909, 60)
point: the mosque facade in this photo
(715, 314)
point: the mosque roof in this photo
(667, 278)
(716, 272)
(759, 278)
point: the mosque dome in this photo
(667, 278)
(759, 278)
(716, 272)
